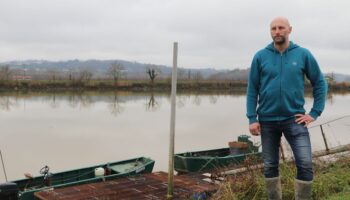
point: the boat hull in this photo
(203, 161)
(27, 187)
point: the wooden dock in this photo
(147, 186)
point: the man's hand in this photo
(307, 119)
(254, 128)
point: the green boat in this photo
(215, 159)
(49, 181)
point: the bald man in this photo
(275, 106)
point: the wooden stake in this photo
(3, 166)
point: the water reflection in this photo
(7, 102)
(213, 99)
(181, 100)
(197, 100)
(117, 100)
(52, 101)
(116, 104)
(152, 104)
(80, 100)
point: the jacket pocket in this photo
(292, 102)
(269, 102)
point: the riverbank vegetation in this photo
(136, 85)
(132, 85)
(331, 181)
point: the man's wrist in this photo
(252, 120)
(313, 114)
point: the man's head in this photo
(280, 30)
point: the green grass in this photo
(132, 84)
(330, 182)
(340, 196)
(345, 194)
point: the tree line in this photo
(116, 72)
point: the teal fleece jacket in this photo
(276, 84)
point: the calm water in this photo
(66, 131)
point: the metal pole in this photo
(328, 122)
(3, 166)
(172, 126)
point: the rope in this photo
(345, 116)
(332, 134)
(328, 124)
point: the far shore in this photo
(163, 85)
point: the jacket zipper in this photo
(281, 71)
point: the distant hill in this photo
(98, 67)
(235, 75)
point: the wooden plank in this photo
(334, 150)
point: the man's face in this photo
(280, 31)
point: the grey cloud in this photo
(220, 34)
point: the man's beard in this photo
(279, 40)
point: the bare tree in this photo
(5, 73)
(153, 71)
(117, 71)
(181, 74)
(198, 77)
(85, 76)
(71, 73)
(53, 74)
(189, 74)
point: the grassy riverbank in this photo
(129, 85)
(331, 182)
(135, 85)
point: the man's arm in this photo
(319, 85)
(253, 90)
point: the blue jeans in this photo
(299, 140)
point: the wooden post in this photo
(324, 139)
(172, 126)
(282, 152)
(3, 166)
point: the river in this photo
(67, 130)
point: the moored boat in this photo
(49, 181)
(203, 161)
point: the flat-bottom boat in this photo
(208, 160)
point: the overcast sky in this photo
(222, 34)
